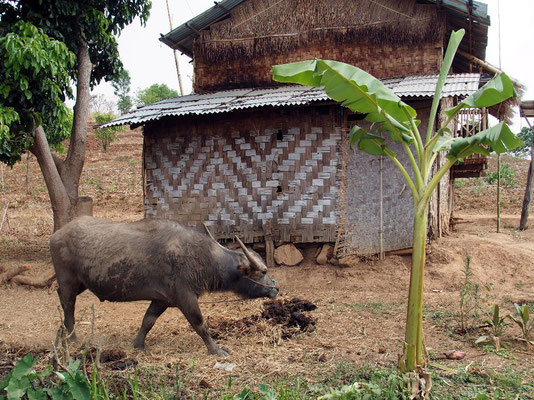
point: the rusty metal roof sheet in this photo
(286, 96)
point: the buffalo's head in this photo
(253, 281)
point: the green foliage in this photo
(23, 382)
(98, 21)
(153, 94)
(469, 305)
(498, 138)
(107, 135)
(34, 80)
(522, 319)
(395, 387)
(507, 176)
(39, 40)
(496, 323)
(527, 137)
(459, 183)
(121, 86)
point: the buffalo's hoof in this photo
(73, 338)
(221, 352)
(139, 346)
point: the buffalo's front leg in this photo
(154, 311)
(192, 313)
(67, 296)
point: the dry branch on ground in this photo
(10, 273)
(40, 282)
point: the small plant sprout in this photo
(469, 304)
(497, 325)
(522, 318)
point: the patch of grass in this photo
(459, 183)
(95, 182)
(439, 316)
(346, 382)
(123, 159)
(478, 186)
(468, 383)
(372, 307)
(502, 352)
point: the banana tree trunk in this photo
(413, 351)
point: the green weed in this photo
(507, 176)
(459, 183)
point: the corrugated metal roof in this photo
(182, 37)
(286, 96)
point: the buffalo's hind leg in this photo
(67, 296)
(154, 311)
(191, 311)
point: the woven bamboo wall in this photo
(376, 206)
(441, 202)
(382, 61)
(290, 166)
(236, 171)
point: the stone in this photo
(334, 261)
(288, 255)
(325, 253)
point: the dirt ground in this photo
(360, 310)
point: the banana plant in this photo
(362, 93)
(522, 319)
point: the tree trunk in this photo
(59, 199)
(528, 191)
(62, 177)
(71, 169)
(413, 351)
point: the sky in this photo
(150, 61)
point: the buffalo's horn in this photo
(211, 236)
(251, 257)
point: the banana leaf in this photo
(355, 89)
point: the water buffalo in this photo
(153, 259)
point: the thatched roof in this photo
(260, 27)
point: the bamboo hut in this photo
(249, 157)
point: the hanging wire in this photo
(190, 9)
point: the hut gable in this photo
(388, 38)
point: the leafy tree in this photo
(44, 46)
(121, 86)
(362, 93)
(526, 135)
(106, 135)
(154, 93)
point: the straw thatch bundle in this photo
(259, 27)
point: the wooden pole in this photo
(498, 193)
(27, 173)
(175, 54)
(528, 188)
(269, 245)
(381, 234)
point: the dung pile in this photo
(289, 316)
